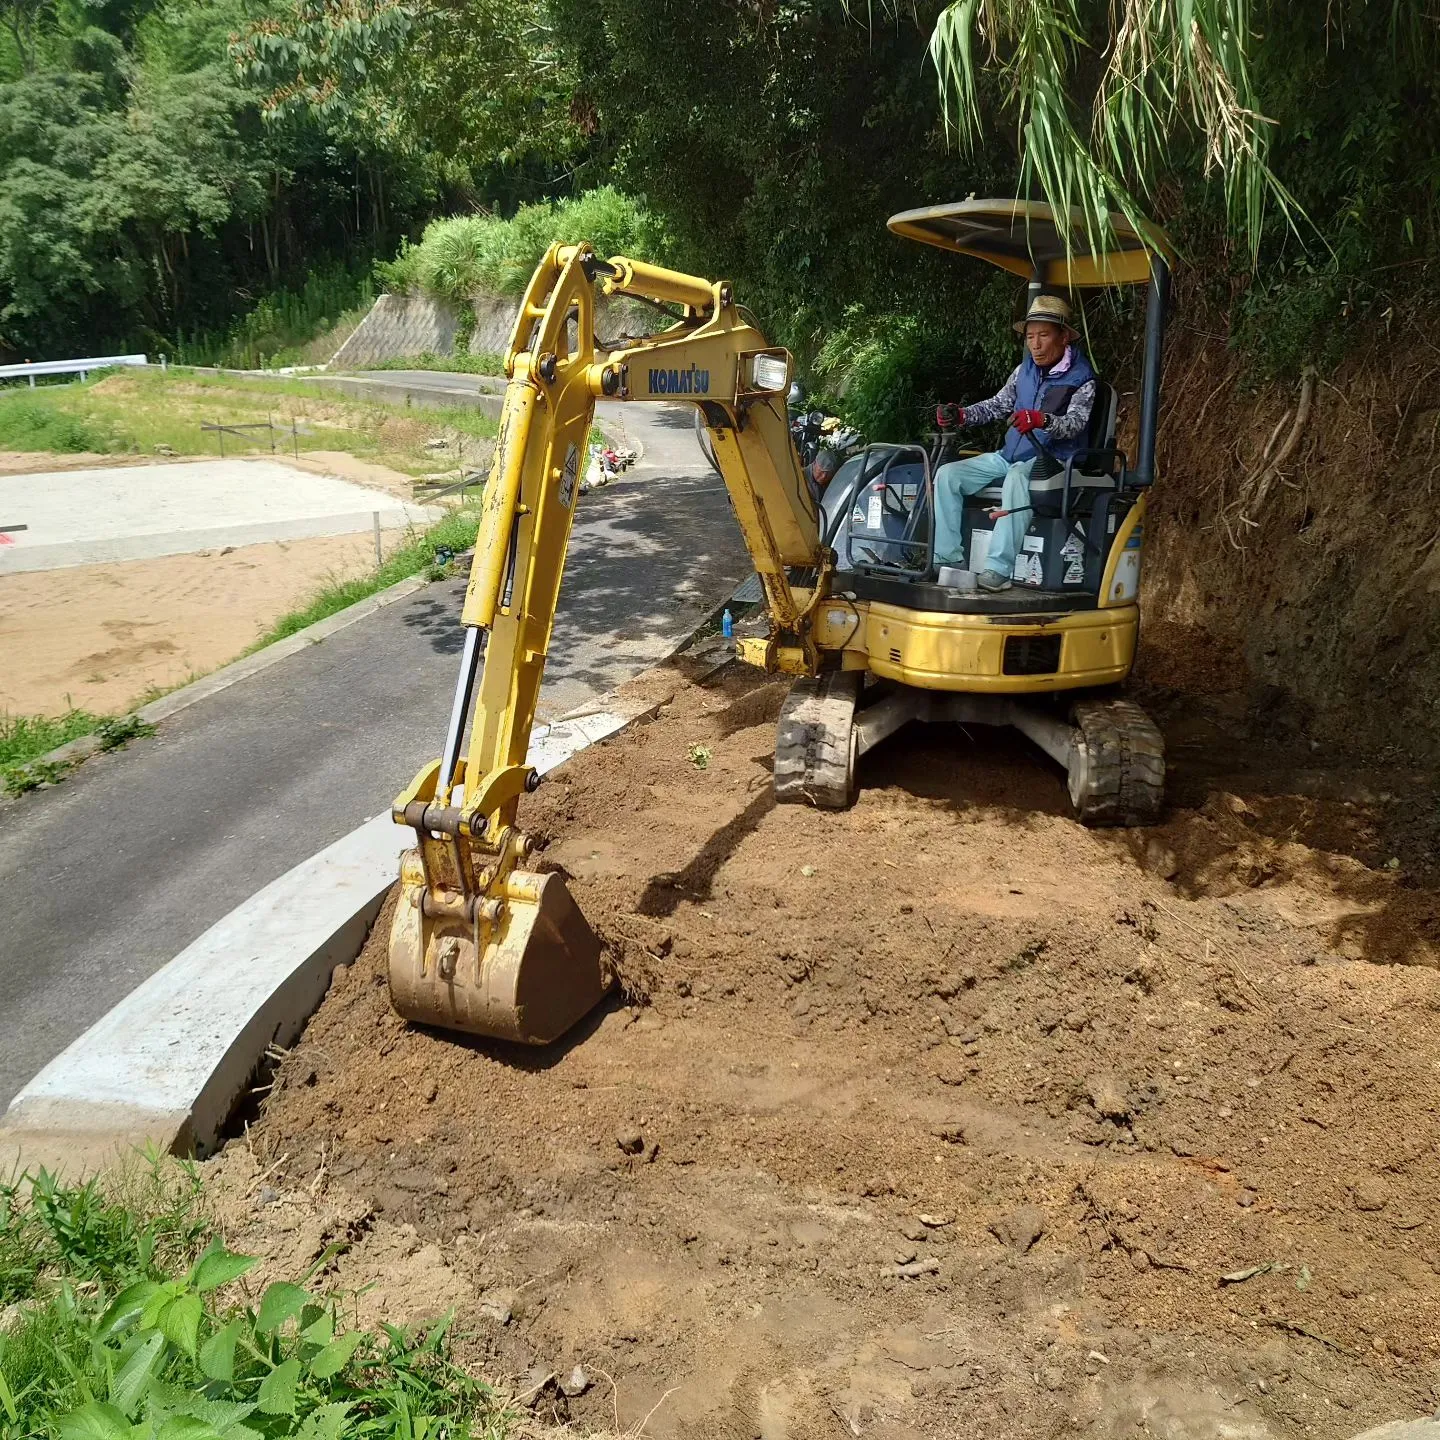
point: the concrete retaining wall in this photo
(401, 325)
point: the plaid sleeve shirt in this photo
(1058, 427)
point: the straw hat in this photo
(1052, 310)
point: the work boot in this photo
(992, 581)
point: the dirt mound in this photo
(939, 1117)
(1293, 540)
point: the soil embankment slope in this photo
(948, 1117)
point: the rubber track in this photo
(1126, 773)
(813, 763)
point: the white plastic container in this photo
(957, 579)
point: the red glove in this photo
(1027, 420)
(948, 415)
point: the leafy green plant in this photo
(116, 731)
(124, 1333)
(462, 256)
(25, 737)
(22, 779)
(44, 422)
(700, 756)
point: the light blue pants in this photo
(953, 482)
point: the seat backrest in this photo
(1100, 433)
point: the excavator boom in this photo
(479, 943)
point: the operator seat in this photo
(1068, 537)
(1094, 467)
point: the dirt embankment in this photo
(940, 1117)
(1294, 541)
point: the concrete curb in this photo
(166, 1066)
(74, 751)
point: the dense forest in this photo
(167, 164)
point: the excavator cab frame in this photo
(482, 943)
(1027, 238)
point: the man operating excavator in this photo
(1048, 398)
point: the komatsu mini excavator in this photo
(856, 611)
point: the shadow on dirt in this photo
(664, 893)
(532, 1059)
(1256, 808)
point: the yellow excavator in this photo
(874, 633)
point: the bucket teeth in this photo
(537, 970)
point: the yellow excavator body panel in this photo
(935, 651)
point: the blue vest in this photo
(1036, 390)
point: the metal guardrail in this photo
(31, 368)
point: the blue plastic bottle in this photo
(727, 625)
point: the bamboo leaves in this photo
(1171, 71)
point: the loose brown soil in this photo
(1073, 1078)
(99, 637)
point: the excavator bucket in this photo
(528, 975)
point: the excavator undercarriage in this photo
(1111, 750)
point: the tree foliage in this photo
(1159, 78)
(142, 195)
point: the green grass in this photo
(485, 362)
(456, 532)
(34, 421)
(25, 739)
(135, 1322)
(145, 412)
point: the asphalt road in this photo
(111, 873)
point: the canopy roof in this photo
(1026, 236)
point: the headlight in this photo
(769, 372)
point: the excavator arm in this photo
(478, 942)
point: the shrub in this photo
(462, 256)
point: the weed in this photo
(116, 731)
(124, 1333)
(24, 739)
(22, 779)
(45, 420)
(485, 362)
(700, 756)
